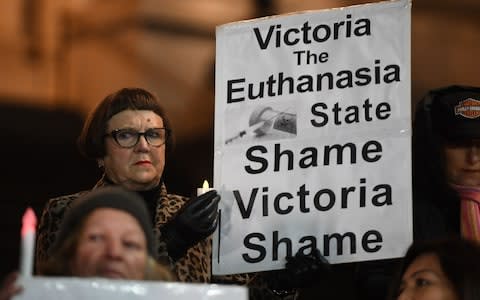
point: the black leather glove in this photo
(301, 271)
(195, 221)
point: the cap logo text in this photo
(468, 108)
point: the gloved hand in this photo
(195, 221)
(301, 271)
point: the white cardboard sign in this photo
(313, 136)
(98, 288)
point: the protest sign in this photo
(313, 136)
(98, 288)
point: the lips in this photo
(143, 162)
(112, 273)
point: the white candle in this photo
(205, 188)
(29, 222)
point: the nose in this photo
(404, 295)
(142, 145)
(113, 249)
(473, 154)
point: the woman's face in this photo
(424, 280)
(463, 163)
(139, 167)
(111, 244)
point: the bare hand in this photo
(9, 287)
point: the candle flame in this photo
(29, 221)
(205, 185)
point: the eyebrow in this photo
(422, 271)
(136, 129)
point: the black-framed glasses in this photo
(128, 137)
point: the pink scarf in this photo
(469, 211)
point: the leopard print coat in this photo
(195, 266)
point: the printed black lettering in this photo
(258, 159)
(262, 253)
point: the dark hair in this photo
(459, 260)
(91, 141)
(436, 206)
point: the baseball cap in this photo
(455, 112)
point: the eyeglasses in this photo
(128, 138)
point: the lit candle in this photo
(205, 188)
(29, 222)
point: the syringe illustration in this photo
(263, 119)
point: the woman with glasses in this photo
(128, 135)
